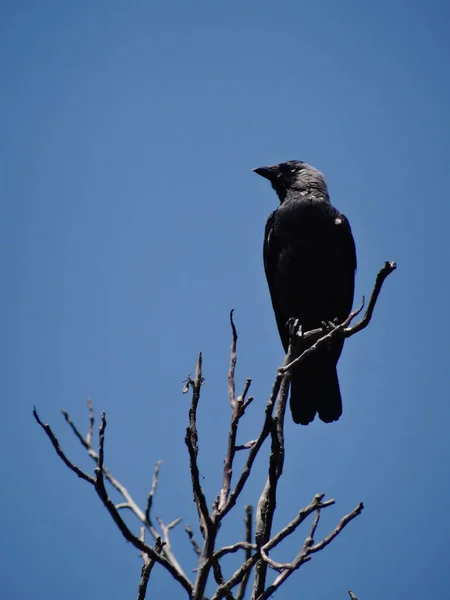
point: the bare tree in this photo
(256, 548)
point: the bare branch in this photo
(91, 423)
(342, 523)
(248, 550)
(288, 569)
(298, 520)
(272, 563)
(101, 445)
(234, 548)
(343, 329)
(60, 453)
(385, 271)
(233, 360)
(238, 407)
(75, 430)
(314, 527)
(153, 490)
(267, 501)
(242, 397)
(231, 448)
(193, 541)
(246, 446)
(191, 441)
(218, 576)
(337, 331)
(165, 530)
(237, 577)
(147, 566)
(254, 449)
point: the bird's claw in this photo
(330, 325)
(294, 327)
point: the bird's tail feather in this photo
(315, 389)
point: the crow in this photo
(310, 264)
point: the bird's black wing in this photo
(271, 253)
(345, 237)
(340, 269)
(349, 242)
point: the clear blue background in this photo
(131, 225)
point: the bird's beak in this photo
(268, 172)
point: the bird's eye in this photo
(293, 170)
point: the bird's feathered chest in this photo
(306, 221)
(310, 260)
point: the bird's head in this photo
(294, 175)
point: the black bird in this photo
(310, 264)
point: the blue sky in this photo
(131, 225)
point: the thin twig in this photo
(147, 566)
(246, 446)
(344, 329)
(193, 541)
(233, 360)
(342, 523)
(306, 544)
(237, 577)
(232, 499)
(242, 397)
(287, 571)
(272, 563)
(314, 527)
(385, 271)
(60, 453)
(300, 559)
(238, 407)
(324, 340)
(234, 548)
(191, 440)
(302, 515)
(91, 422)
(165, 530)
(84, 442)
(153, 490)
(218, 576)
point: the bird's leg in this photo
(294, 327)
(328, 326)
